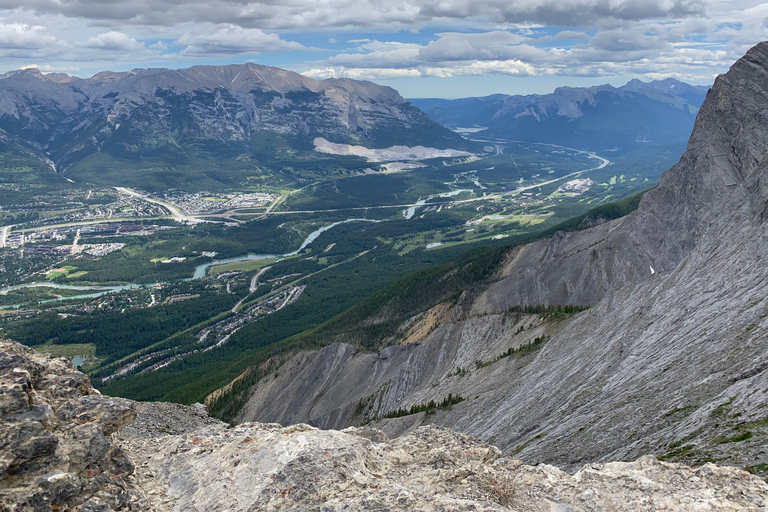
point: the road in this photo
(87, 223)
(180, 216)
(255, 280)
(591, 154)
(176, 213)
(603, 163)
(251, 288)
(4, 234)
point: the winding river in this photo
(200, 270)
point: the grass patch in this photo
(741, 436)
(245, 266)
(758, 469)
(72, 350)
(677, 452)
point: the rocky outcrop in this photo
(337, 386)
(727, 148)
(56, 447)
(67, 448)
(267, 467)
(671, 363)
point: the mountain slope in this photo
(243, 115)
(602, 117)
(670, 360)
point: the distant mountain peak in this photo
(601, 116)
(225, 110)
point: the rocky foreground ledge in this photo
(65, 447)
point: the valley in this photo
(407, 256)
(176, 273)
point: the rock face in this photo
(337, 386)
(62, 451)
(672, 362)
(56, 450)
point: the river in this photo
(410, 212)
(200, 270)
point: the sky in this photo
(423, 48)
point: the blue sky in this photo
(423, 48)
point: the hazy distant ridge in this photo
(600, 117)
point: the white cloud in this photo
(115, 42)
(362, 73)
(234, 40)
(569, 38)
(19, 36)
(484, 46)
(481, 68)
(379, 54)
(51, 69)
(646, 49)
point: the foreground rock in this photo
(56, 452)
(270, 468)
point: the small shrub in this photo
(500, 488)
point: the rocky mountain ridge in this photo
(65, 447)
(600, 117)
(201, 112)
(669, 360)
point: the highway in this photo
(176, 213)
(251, 289)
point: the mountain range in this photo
(171, 123)
(601, 117)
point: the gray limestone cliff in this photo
(671, 363)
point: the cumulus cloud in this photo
(496, 45)
(233, 40)
(682, 38)
(45, 68)
(641, 49)
(19, 36)
(385, 54)
(115, 42)
(362, 73)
